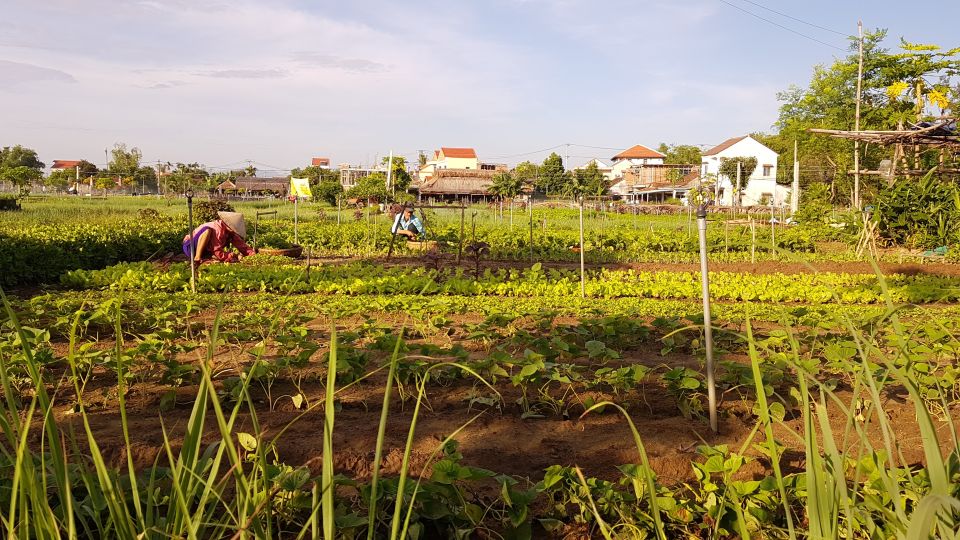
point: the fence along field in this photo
(374, 398)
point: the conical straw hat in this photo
(235, 221)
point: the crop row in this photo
(32, 253)
(361, 278)
(41, 253)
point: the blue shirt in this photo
(401, 224)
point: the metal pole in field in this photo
(707, 323)
(296, 220)
(773, 230)
(583, 276)
(193, 264)
(530, 201)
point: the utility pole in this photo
(856, 121)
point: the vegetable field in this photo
(470, 392)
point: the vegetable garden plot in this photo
(512, 470)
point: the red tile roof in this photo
(723, 146)
(320, 162)
(458, 152)
(639, 151)
(64, 164)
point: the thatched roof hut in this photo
(457, 182)
(252, 184)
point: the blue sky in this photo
(220, 82)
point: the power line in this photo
(844, 34)
(527, 153)
(788, 29)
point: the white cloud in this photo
(21, 74)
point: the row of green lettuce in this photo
(367, 278)
(39, 253)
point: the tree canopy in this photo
(890, 98)
(506, 185)
(588, 181)
(20, 166)
(552, 177)
(728, 168)
(680, 154)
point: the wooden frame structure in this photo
(937, 134)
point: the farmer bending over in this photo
(212, 239)
(408, 225)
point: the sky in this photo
(227, 82)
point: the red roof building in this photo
(320, 162)
(65, 164)
(463, 153)
(638, 151)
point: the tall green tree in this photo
(124, 161)
(188, 176)
(552, 177)
(589, 181)
(680, 154)
(890, 83)
(20, 166)
(19, 156)
(370, 188)
(400, 179)
(527, 172)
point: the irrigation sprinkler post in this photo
(530, 208)
(753, 241)
(339, 200)
(193, 263)
(463, 217)
(296, 221)
(773, 230)
(707, 323)
(583, 276)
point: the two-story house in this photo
(760, 187)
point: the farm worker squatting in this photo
(212, 239)
(408, 225)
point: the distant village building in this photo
(351, 174)
(460, 185)
(450, 158)
(636, 155)
(253, 185)
(761, 186)
(638, 174)
(322, 162)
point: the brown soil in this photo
(499, 439)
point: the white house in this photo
(761, 186)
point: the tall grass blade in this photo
(381, 433)
(768, 428)
(327, 487)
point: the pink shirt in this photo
(221, 237)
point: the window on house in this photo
(767, 170)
